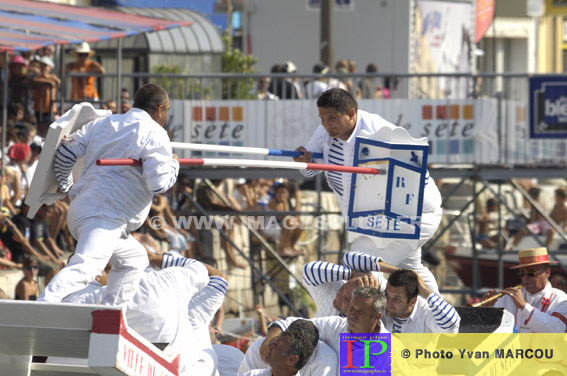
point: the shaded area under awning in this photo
(29, 25)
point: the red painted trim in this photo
(560, 317)
(112, 322)
(107, 322)
(327, 167)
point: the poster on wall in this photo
(548, 106)
(442, 44)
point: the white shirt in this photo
(159, 310)
(229, 358)
(121, 192)
(323, 361)
(323, 279)
(433, 315)
(260, 372)
(544, 312)
(329, 328)
(371, 123)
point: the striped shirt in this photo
(433, 315)
(336, 157)
(322, 279)
(124, 192)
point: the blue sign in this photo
(548, 107)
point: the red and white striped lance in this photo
(252, 163)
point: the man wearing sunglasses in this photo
(536, 306)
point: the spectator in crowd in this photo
(290, 67)
(16, 114)
(283, 228)
(18, 81)
(21, 236)
(19, 154)
(27, 288)
(110, 105)
(341, 67)
(83, 88)
(262, 90)
(558, 214)
(45, 86)
(213, 199)
(280, 87)
(125, 104)
(536, 222)
(6, 183)
(537, 306)
(487, 236)
(319, 85)
(368, 88)
(35, 152)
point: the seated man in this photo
(331, 285)
(323, 362)
(537, 307)
(286, 354)
(411, 307)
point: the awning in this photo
(203, 37)
(29, 25)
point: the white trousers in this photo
(99, 240)
(401, 254)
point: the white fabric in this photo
(229, 359)
(329, 328)
(100, 241)
(260, 372)
(159, 308)
(315, 88)
(425, 319)
(323, 279)
(123, 192)
(398, 253)
(109, 202)
(531, 319)
(323, 361)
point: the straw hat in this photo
(83, 48)
(533, 256)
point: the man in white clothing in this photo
(109, 202)
(411, 307)
(159, 309)
(341, 123)
(286, 355)
(537, 307)
(331, 285)
(364, 316)
(323, 361)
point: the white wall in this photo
(376, 31)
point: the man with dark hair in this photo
(286, 354)
(412, 308)
(107, 203)
(323, 361)
(341, 123)
(364, 315)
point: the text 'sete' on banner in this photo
(497, 354)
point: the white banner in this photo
(459, 131)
